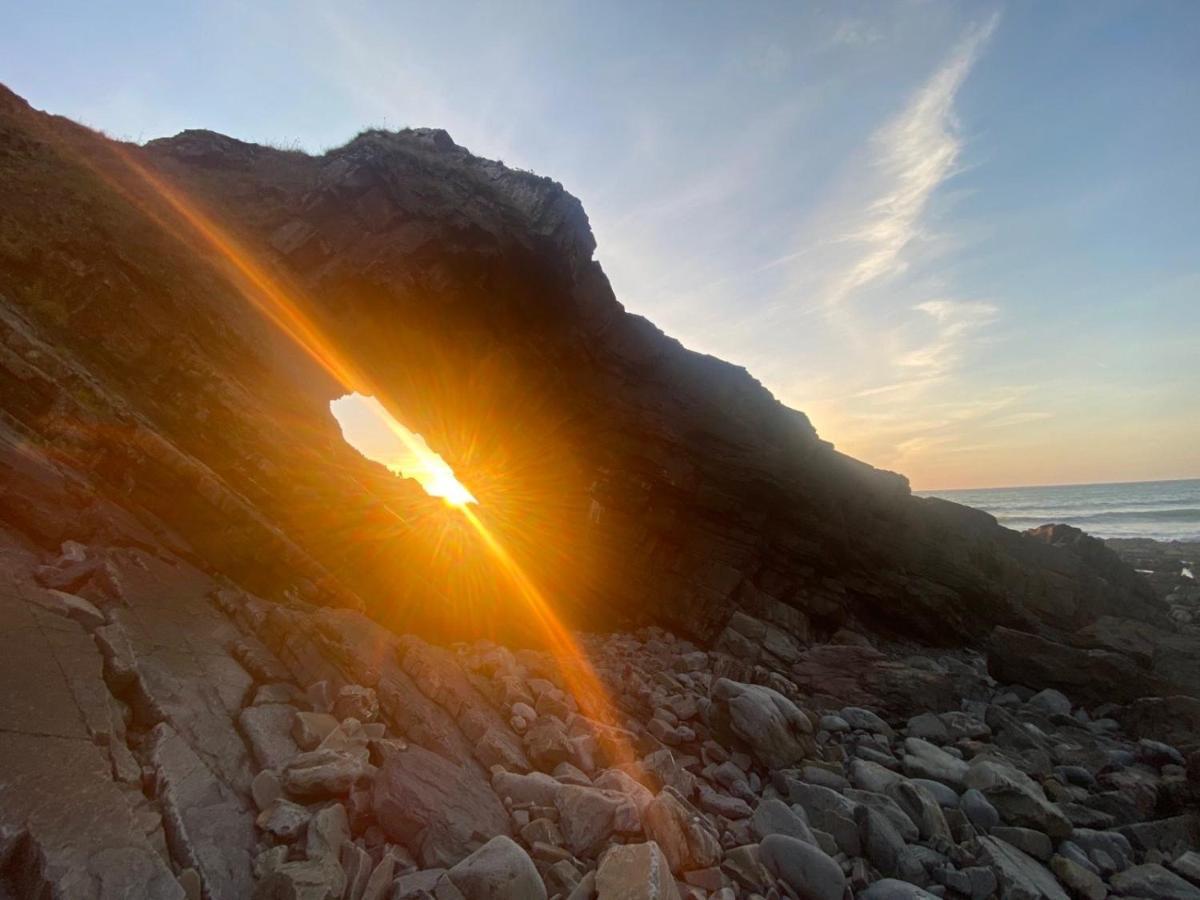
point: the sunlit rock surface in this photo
(238, 659)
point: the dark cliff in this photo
(634, 478)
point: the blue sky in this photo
(963, 237)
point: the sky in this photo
(964, 238)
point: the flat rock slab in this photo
(208, 826)
(79, 824)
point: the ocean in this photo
(1162, 510)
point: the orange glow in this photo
(285, 309)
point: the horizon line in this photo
(1014, 487)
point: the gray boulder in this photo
(499, 870)
(1017, 797)
(773, 816)
(924, 760)
(1021, 876)
(894, 889)
(1155, 882)
(635, 872)
(435, 808)
(978, 810)
(687, 839)
(772, 726)
(806, 870)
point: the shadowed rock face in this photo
(635, 478)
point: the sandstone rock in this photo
(891, 810)
(924, 760)
(894, 889)
(207, 826)
(325, 773)
(284, 820)
(1187, 864)
(310, 728)
(437, 809)
(635, 872)
(804, 868)
(1051, 701)
(871, 776)
(866, 720)
(533, 788)
(357, 702)
(499, 870)
(622, 783)
(770, 724)
(265, 789)
(1081, 881)
(1020, 875)
(267, 729)
(881, 842)
(773, 816)
(71, 606)
(1018, 799)
(977, 808)
(547, 744)
(921, 808)
(685, 837)
(588, 817)
(1091, 676)
(1153, 881)
(1034, 843)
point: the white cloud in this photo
(956, 321)
(913, 155)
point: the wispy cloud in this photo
(955, 322)
(912, 156)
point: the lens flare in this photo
(284, 305)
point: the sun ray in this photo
(284, 308)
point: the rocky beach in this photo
(239, 660)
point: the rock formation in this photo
(241, 660)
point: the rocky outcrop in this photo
(158, 361)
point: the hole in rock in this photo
(372, 431)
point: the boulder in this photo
(804, 868)
(685, 836)
(890, 809)
(1154, 882)
(865, 720)
(777, 732)
(589, 817)
(894, 889)
(924, 760)
(1017, 797)
(978, 810)
(325, 773)
(773, 816)
(499, 870)
(882, 844)
(1081, 881)
(921, 807)
(267, 729)
(1021, 876)
(1051, 701)
(438, 810)
(1090, 676)
(1174, 720)
(635, 872)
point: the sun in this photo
(443, 484)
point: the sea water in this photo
(1162, 510)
